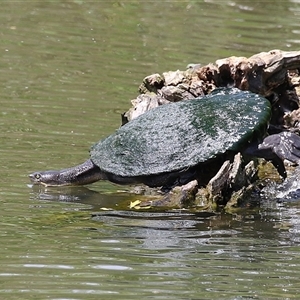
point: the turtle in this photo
(172, 144)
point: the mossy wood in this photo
(183, 134)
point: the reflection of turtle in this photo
(173, 143)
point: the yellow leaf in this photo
(134, 203)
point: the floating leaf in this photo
(134, 203)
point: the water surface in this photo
(68, 70)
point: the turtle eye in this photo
(37, 176)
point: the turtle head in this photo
(46, 178)
(84, 173)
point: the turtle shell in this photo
(182, 134)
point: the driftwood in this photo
(273, 74)
(270, 74)
(260, 73)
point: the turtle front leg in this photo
(278, 147)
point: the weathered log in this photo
(261, 73)
(273, 74)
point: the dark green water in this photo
(67, 71)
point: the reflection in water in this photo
(77, 194)
(173, 226)
(66, 194)
(161, 230)
(219, 250)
